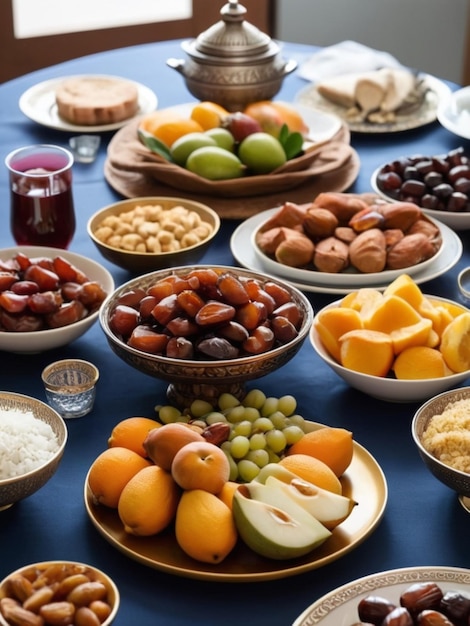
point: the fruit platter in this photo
(262, 151)
(194, 447)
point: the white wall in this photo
(425, 34)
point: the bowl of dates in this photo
(58, 592)
(409, 596)
(206, 329)
(48, 297)
(439, 184)
(440, 432)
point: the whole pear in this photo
(261, 153)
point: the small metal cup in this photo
(70, 386)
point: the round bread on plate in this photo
(94, 100)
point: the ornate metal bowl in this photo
(206, 379)
(233, 63)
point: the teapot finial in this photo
(233, 11)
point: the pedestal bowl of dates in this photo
(206, 329)
(439, 184)
(48, 297)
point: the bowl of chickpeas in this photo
(58, 592)
(153, 232)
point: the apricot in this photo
(367, 351)
(331, 324)
(455, 343)
(201, 465)
(162, 444)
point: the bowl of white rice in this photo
(441, 432)
(32, 442)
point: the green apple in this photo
(328, 508)
(271, 530)
(183, 146)
(215, 163)
(261, 153)
(222, 137)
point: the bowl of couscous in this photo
(31, 447)
(441, 432)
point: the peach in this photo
(201, 465)
(162, 444)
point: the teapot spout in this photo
(176, 64)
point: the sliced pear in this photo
(277, 470)
(328, 508)
(273, 532)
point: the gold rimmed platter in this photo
(364, 481)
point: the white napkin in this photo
(343, 58)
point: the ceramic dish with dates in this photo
(364, 481)
(439, 184)
(340, 606)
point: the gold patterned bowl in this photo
(205, 378)
(458, 481)
(50, 574)
(18, 487)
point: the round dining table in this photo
(423, 522)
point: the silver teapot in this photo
(233, 63)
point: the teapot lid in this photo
(232, 37)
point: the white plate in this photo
(452, 219)
(38, 103)
(350, 277)
(322, 125)
(454, 113)
(339, 607)
(425, 114)
(244, 254)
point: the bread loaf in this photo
(91, 101)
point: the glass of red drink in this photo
(42, 211)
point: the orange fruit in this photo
(111, 471)
(455, 343)
(148, 502)
(333, 446)
(420, 362)
(291, 117)
(367, 351)
(331, 324)
(201, 465)
(209, 114)
(312, 470)
(131, 433)
(162, 444)
(390, 313)
(152, 121)
(227, 491)
(168, 126)
(272, 115)
(204, 526)
(415, 335)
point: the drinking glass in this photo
(42, 210)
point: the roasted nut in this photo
(216, 433)
(295, 251)
(269, 240)
(319, 223)
(345, 233)
(410, 250)
(400, 215)
(331, 255)
(289, 214)
(426, 227)
(368, 251)
(392, 236)
(343, 206)
(366, 219)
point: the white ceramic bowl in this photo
(453, 219)
(143, 262)
(66, 567)
(387, 389)
(19, 487)
(456, 480)
(43, 340)
(339, 607)
(454, 112)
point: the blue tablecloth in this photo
(423, 524)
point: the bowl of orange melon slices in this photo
(397, 345)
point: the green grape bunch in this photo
(260, 429)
